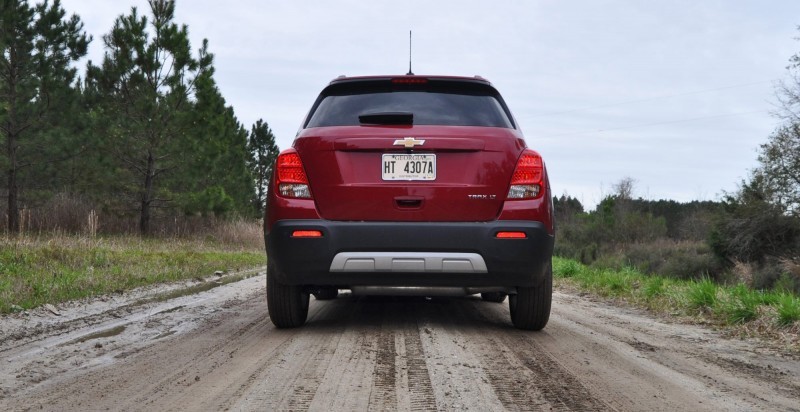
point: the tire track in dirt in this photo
(405, 354)
(289, 377)
(558, 386)
(384, 393)
(135, 392)
(400, 366)
(523, 375)
(420, 389)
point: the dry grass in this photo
(742, 272)
(52, 268)
(68, 214)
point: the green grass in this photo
(725, 305)
(788, 309)
(742, 304)
(58, 268)
(702, 294)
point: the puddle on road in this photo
(202, 287)
(105, 333)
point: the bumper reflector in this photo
(306, 233)
(511, 235)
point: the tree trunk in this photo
(147, 195)
(12, 136)
(13, 192)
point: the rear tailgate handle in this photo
(408, 202)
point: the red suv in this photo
(410, 185)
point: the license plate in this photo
(408, 167)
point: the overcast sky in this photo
(675, 94)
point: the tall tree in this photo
(263, 151)
(780, 155)
(762, 219)
(780, 167)
(37, 49)
(147, 79)
(215, 178)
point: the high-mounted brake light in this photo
(527, 180)
(409, 80)
(291, 178)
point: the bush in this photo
(767, 273)
(751, 228)
(681, 260)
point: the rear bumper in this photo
(409, 253)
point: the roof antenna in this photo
(410, 73)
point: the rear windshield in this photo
(430, 105)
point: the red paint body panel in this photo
(343, 165)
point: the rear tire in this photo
(496, 297)
(326, 293)
(530, 307)
(287, 304)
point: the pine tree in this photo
(263, 152)
(146, 81)
(37, 49)
(216, 178)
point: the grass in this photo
(702, 295)
(788, 308)
(702, 299)
(35, 270)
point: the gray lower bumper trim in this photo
(425, 290)
(408, 262)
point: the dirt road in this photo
(217, 350)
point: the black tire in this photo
(496, 297)
(326, 293)
(288, 305)
(530, 307)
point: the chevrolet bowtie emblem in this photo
(408, 142)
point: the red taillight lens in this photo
(511, 235)
(290, 169)
(527, 180)
(306, 233)
(290, 177)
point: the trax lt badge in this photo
(482, 197)
(408, 142)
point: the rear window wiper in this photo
(387, 118)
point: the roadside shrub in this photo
(767, 274)
(789, 281)
(751, 228)
(610, 260)
(681, 260)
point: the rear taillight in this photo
(290, 177)
(527, 181)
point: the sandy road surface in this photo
(217, 350)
